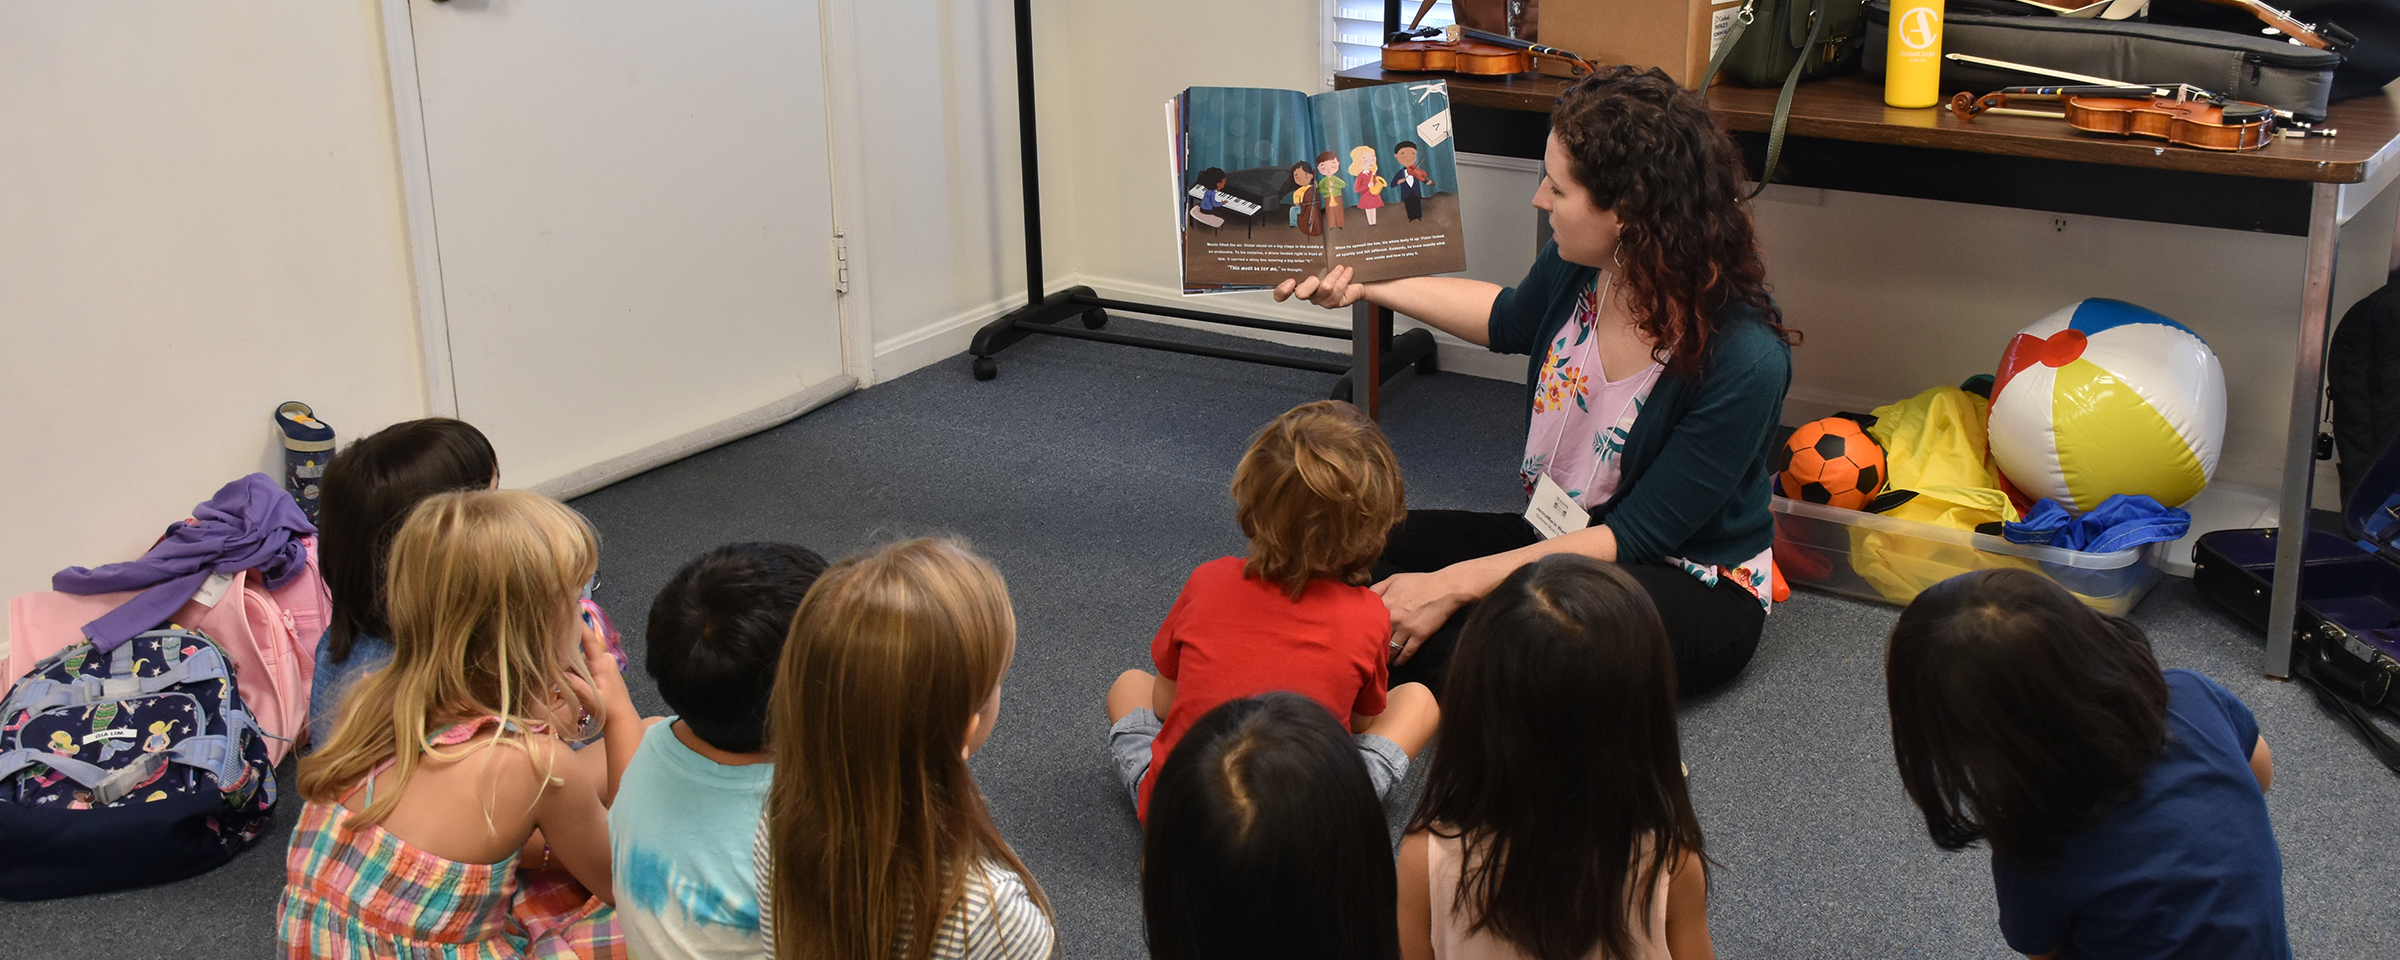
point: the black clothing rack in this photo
(1373, 345)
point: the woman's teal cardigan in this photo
(1697, 471)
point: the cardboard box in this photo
(1677, 35)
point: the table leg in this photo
(1370, 331)
(2300, 438)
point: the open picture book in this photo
(1275, 184)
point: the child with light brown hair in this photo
(442, 766)
(1316, 494)
(875, 840)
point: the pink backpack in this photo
(269, 636)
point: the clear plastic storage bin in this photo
(1874, 557)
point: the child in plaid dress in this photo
(445, 816)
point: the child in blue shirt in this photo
(368, 489)
(688, 806)
(2124, 805)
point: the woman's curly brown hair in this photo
(1648, 151)
(1317, 494)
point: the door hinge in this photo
(841, 265)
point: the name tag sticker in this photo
(1720, 23)
(213, 590)
(1552, 512)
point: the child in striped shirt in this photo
(875, 841)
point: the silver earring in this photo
(1616, 254)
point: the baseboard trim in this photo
(943, 339)
(1802, 404)
(1457, 356)
(717, 434)
(937, 341)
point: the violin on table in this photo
(1454, 55)
(1457, 49)
(2191, 117)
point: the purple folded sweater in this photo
(251, 523)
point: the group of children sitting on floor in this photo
(481, 784)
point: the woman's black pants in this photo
(1714, 629)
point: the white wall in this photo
(1129, 59)
(934, 174)
(199, 219)
(1107, 68)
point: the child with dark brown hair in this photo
(367, 490)
(1556, 824)
(2123, 803)
(1316, 494)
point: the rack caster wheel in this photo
(986, 368)
(1341, 390)
(1095, 319)
(1429, 363)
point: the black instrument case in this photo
(2346, 635)
(2244, 66)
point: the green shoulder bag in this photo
(1794, 40)
(1775, 41)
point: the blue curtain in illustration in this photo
(1384, 117)
(1238, 128)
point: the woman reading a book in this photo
(1658, 368)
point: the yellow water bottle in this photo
(1912, 65)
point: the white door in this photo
(632, 206)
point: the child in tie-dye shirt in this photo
(687, 813)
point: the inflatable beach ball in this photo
(2104, 397)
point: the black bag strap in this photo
(2384, 747)
(1819, 11)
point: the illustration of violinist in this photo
(1414, 182)
(1364, 180)
(1305, 212)
(1329, 187)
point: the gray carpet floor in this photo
(1095, 477)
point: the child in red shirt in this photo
(1316, 494)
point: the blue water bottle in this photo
(307, 447)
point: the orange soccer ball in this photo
(1832, 461)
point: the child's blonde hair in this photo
(873, 818)
(480, 590)
(1317, 494)
(1362, 159)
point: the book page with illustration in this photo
(1271, 184)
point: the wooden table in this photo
(1841, 136)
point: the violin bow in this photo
(2038, 71)
(2181, 91)
(1966, 106)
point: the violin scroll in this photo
(1967, 106)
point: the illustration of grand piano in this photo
(1251, 194)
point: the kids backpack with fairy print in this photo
(127, 768)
